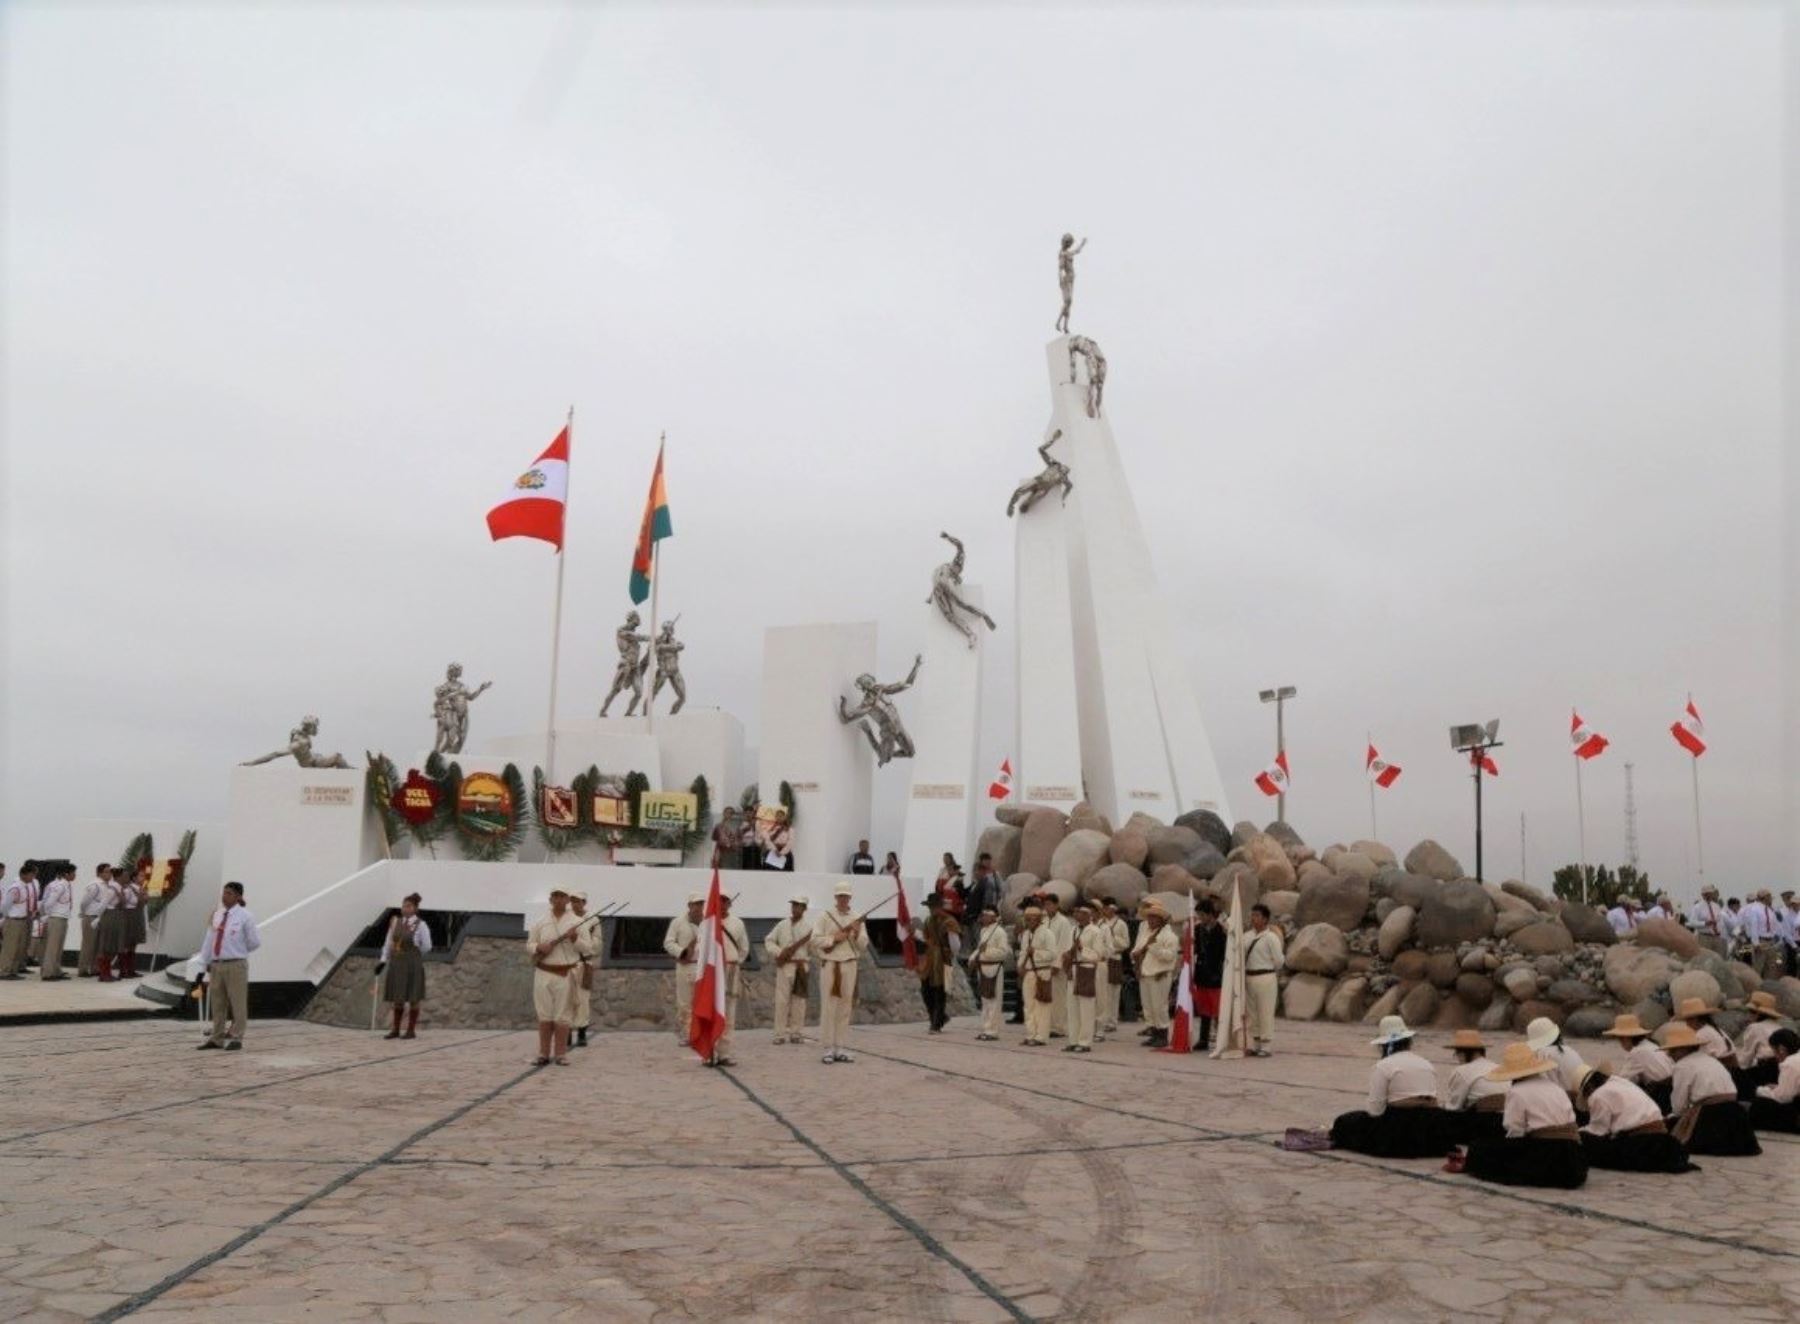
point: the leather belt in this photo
(1566, 1131)
(1414, 1101)
(552, 968)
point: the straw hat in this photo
(1541, 1033)
(1150, 908)
(1679, 1036)
(1763, 1003)
(1626, 1026)
(1693, 1007)
(1392, 1030)
(1518, 1062)
(1470, 1039)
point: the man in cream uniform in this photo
(839, 940)
(1263, 956)
(587, 953)
(1087, 967)
(557, 961)
(19, 904)
(1156, 955)
(1037, 958)
(737, 951)
(1062, 929)
(681, 941)
(1118, 936)
(987, 962)
(787, 946)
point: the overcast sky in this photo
(1444, 346)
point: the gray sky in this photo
(1444, 345)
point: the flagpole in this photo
(1699, 848)
(1581, 829)
(556, 612)
(655, 584)
(1374, 829)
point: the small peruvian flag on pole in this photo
(1181, 1024)
(1273, 780)
(1586, 741)
(707, 1024)
(909, 951)
(1689, 731)
(533, 508)
(1382, 773)
(1001, 786)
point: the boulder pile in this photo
(1369, 933)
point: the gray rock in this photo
(1085, 818)
(1203, 861)
(1318, 949)
(1176, 903)
(1550, 967)
(1529, 894)
(1351, 862)
(1385, 906)
(1587, 1023)
(1731, 1023)
(1459, 912)
(1497, 1016)
(1731, 988)
(1587, 924)
(1014, 815)
(1651, 1013)
(1787, 995)
(1694, 984)
(1633, 973)
(1309, 870)
(1475, 960)
(1284, 833)
(1210, 826)
(1746, 976)
(1304, 997)
(1002, 842)
(1271, 863)
(1241, 879)
(1242, 831)
(1121, 882)
(1043, 833)
(1433, 861)
(1442, 968)
(1281, 903)
(1018, 887)
(1527, 1012)
(1079, 854)
(1543, 938)
(1410, 889)
(1345, 1005)
(1341, 900)
(1521, 983)
(1130, 846)
(1511, 922)
(1396, 929)
(1171, 845)
(1381, 854)
(1384, 1005)
(1173, 878)
(1572, 993)
(1419, 1004)
(1506, 903)
(1476, 990)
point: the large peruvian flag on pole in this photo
(707, 1024)
(1586, 741)
(534, 506)
(909, 951)
(1181, 1025)
(1382, 773)
(1273, 780)
(1689, 731)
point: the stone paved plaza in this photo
(327, 1174)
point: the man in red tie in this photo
(225, 965)
(18, 906)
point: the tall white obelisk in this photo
(1047, 763)
(946, 729)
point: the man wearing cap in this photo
(1263, 957)
(839, 939)
(1156, 955)
(1062, 931)
(1645, 1064)
(1625, 1129)
(1084, 961)
(787, 946)
(551, 947)
(987, 968)
(681, 940)
(1118, 942)
(940, 935)
(225, 964)
(1402, 1119)
(1037, 958)
(1704, 1104)
(737, 951)
(1472, 1102)
(1707, 919)
(587, 954)
(1541, 1146)
(1755, 1055)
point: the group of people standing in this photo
(1541, 1116)
(1760, 932)
(36, 909)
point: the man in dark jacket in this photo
(1209, 969)
(983, 893)
(936, 961)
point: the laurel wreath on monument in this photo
(559, 840)
(143, 847)
(384, 779)
(483, 844)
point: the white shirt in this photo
(418, 928)
(1708, 917)
(59, 898)
(1753, 1044)
(1734, 923)
(1646, 1064)
(785, 934)
(1790, 925)
(992, 948)
(93, 899)
(1402, 1075)
(19, 899)
(1569, 1065)
(1469, 1082)
(1787, 1082)
(231, 936)
(1713, 1041)
(1656, 912)
(1534, 1103)
(1262, 951)
(1619, 1106)
(737, 940)
(112, 896)
(1759, 922)
(682, 934)
(1698, 1077)
(1622, 921)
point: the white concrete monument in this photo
(1047, 767)
(941, 799)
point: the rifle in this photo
(844, 929)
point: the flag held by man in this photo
(706, 1025)
(654, 528)
(534, 506)
(1181, 1024)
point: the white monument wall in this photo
(946, 728)
(1047, 756)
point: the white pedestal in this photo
(946, 728)
(1143, 744)
(1047, 762)
(806, 668)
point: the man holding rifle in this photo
(680, 941)
(839, 939)
(1039, 952)
(737, 948)
(556, 959)
(587, 953)
(788, 946)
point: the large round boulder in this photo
(1395, 930)
(1573, 993)
(1176, 903)
(1509, 922)
(1694, 984)
(1085, 818)
(1505, 903)
(1442, 968)
(1520, 981)
(1419, 1004)
(1121, 882)
(1545, 937)
(1173, 878)
(1203, 861)
(1171, 845)
(1001, 842)
(1409, 965)
(1409, 889)
(1476, 990)
(1459, 912)
(1129, 846)
(1385, 1004)
(1382, 855)
(1345, 1005)
(1433, 861)
(1079, 854)
(1271, 863)
(1064, 891)
(1014, 815)
(1042, 834)
(1527, 1012)
(1651, 1013)
(1731, 988)
(1210, 826)
(1340, 899)
(1242, 831)
(1586, 924)
(1283, 832)
(1281, 903)
(1526, 892)
(1318, 949)
(1304, 997)
(1018, 887)
(1355, 863)
(1635, 973)
(1309, 871)
(1668, 935)
(1787, 995)
(1587, 1023)
(1241, 880)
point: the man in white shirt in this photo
(1263, 957)
(987, 965)
(1625, 1128)
(1788, 913)
(58, 904)
(1761, 934)
(788, 945)
(681, 940)
(1659, 909)
(19, 907)
(93, 903)
(225, 967)
(1708, 920)
(1623, 917)
(1062, 929)
(839, 940)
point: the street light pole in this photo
(1476, 740)
(1279, 697)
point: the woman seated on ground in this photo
(1777, 1107)
(1473, 1104)
(1625, 1128)
(1541, 1146)
(1545, 1038)
(1698, 1017)
(1403, 1119)
(1645, 1065)
(1706, 1115)
(1755, 1056)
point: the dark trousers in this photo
(936, 1003)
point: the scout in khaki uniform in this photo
(1062, 929)
(587, 952)
(737, 951)
(681, 941)
(1156, 955)
(551, 947)
(1037, 958)
(1118, 937)
(839, 940)
(987, 967)
(787, 945)
(1263, 956)
(1086, 963)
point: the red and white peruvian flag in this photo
(1273, 780)
(1001, 786)
(1689, 731)
(534, 506)
(1181, 1024)
(1381, 772)
(1485, 761)
(706, 1026)
(1586, 741)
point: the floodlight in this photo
(1465, 737)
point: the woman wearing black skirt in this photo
(1473, 1104)
(1403, 1119)
(1708, 1119)
(1776, 1107)
(403, 955)
(1645, 1065)
(1625, 1127)
(1541, 1146)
